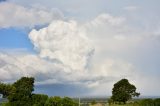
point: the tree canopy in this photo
(6, 89)
(58, 101)
(54, 101)
(123, 91)
(20, 94)
(66, 101)
(39, 99)
(23, 92)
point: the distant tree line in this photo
(149, 102)
(20, 93)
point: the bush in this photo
(57, 101)
(54, 101)
(146, 102)
(157, 102)
(39, 99)
(66, 101)
(93, 102)
(110, 101)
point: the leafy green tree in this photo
(6, 89)
(57, 101)
(93, 102)
(23, 92)
(110, 101)
(157, 102)
(66, 101)
(54, 101)
(39, 99)
(123, 91)
(146, 102)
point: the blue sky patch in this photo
(14, 38)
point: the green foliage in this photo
(124, 105)
(110, 101)
(23, 92)
(54, 101)
(142, 102)
(66, 101)
(157, 102)
(93, 102)
(57, 101)
(5, 104)
(146, 102)
(25, 85)
(20, 94)
(6, 89)
(39, 99)
(123, 91)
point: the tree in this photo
(58, 101)
(157, 102)
(6, 89)
(66, 101)
(93, 102)
(20, 94)
(39, 99)
(146, 102)
(110, 101)
(23, 92)
(123, 91)
(54, 101)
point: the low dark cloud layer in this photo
(3, 0)
(62, 90)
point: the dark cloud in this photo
(2, 63)
(3, 0)
(62, 90)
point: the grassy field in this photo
(114, 105)
(124, 105)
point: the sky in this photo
(81, 48)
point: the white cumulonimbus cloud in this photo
(64, 42)
(65, 54)
(14, 15)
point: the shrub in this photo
(157, 102)
(93, 102)
(39, 99)
(146, 102)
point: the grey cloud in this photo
(63, 90)
(2, 63)
(3, 0)
(26, 17)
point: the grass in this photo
(124, 105)
(129, 104)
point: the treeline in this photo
(148, 102)
(20, 93)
